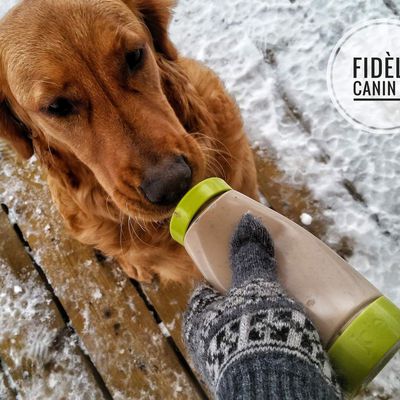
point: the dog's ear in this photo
(156, 15)
(11, 128)
(14, 131)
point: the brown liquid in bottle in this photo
(331, 291)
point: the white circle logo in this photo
(364, 76)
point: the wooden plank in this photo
(120, 335)
(287, 199)
(34, 341)
(170, 302)
(292, 201)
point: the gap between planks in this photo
(28, 364)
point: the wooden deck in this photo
(107, 336)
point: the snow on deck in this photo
(272, 56)
(24, 317)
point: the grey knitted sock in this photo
(252, 252)
(256, 342)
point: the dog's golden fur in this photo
(96, 158)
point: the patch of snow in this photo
(8, 379)
(26, 323)
(7, 171)
(86, 319)
(96, 294)
(17, 289)
(118, 396)
(178, 388)
(156, 338)
(164, 329)
(306, 219)
(171, 326)
(4, 392)
(6, 5)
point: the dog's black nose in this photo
(166, 182)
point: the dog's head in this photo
(83, 75)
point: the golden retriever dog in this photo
(122, 124)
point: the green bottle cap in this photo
(191, 203)
(366, 344)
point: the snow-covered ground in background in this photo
(267, 51)
(270, 51)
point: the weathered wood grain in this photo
(35, 317)
(293, 200)
(170, 302)
(115, 327)
(284, 198)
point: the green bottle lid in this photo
(191, 203)
(366, 345)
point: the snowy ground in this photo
(24, 315)
(271, 52)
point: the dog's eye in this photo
(61, 107)
(134, 59)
